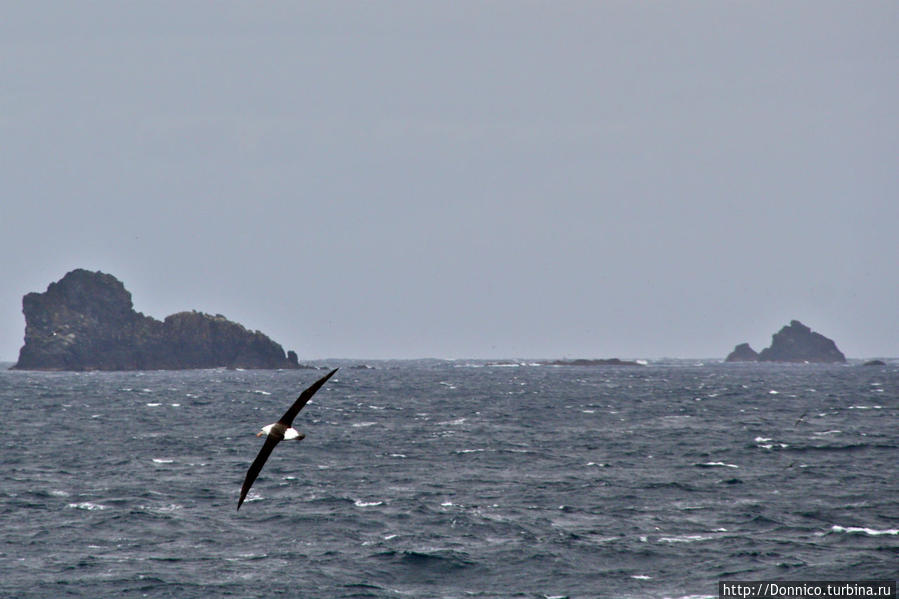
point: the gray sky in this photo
(464, 179)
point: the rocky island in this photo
(86, 321)
(793, 343)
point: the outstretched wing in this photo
(305, 396)
(256, 466)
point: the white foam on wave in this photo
(825, 433)
(717, 465)
(88, 505)
(163, 509)
(153, 405)
(455, 422)
(363, 424)
(868, 531)
(865, 407)
(641, 577)
(162, 460)
(684, 539)
(58, 493)
(261, 392)
(360, 503)
(762, 439)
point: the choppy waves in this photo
(436, 480)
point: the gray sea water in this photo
(449, 479)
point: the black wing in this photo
(256, 466)
(305, 396)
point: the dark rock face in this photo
(86, 321)
(742, 353)
(798, 343)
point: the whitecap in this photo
(773, 392)
(865, 407)
(360, 503)
(56, 493)
(162, 461)
(261, 392)
(868, 531)
(455, 422)
(397, 455)
(684, 539)
(824, 433)
(88, 505)
(176, 405)
(641, 577)
(471, 450)
(363, 424)
(388, 537)
(165, 509)
(762, 439)
(717, 464)
(153, 405)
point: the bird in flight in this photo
(283, 429)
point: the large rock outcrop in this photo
(798, 343)
(793, 343)
(86, 321)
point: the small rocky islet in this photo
(793, 343)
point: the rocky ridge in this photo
(86, 321)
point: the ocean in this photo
(449, 479)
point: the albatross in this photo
(283, 429)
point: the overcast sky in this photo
(462, 179)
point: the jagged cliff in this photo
(86, 321)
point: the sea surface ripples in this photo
(449, 479)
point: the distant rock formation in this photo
(793, 343)
(875, 363)
(742, 353)
(798, 343)
(593, 362)
(86, 321)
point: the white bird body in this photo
(289, 434)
